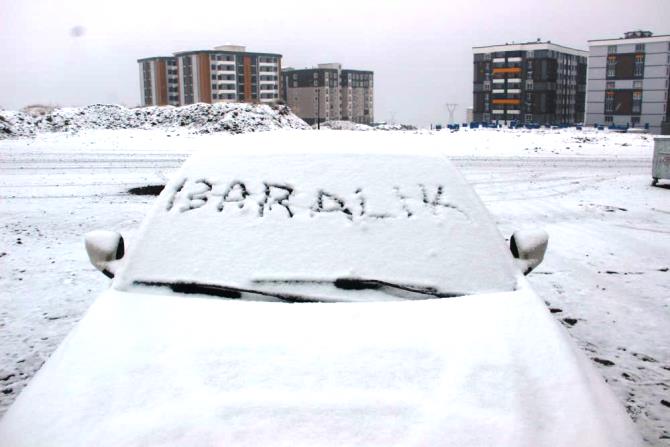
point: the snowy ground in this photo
(606, 275)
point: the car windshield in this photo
(304, 228)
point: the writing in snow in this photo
(266, 197)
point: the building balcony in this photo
(507, 70)
(506, 101)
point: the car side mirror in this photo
(104, 249)
(528, 248)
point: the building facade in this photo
(329, 93)
(538, 82)
(226, 74)
(159, 83)
(628, 81)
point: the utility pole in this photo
(451, 108)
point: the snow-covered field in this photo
(606, 275)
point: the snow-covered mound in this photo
(395, 127)
(196, 118)
(344, 125)
(348, 125)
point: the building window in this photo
(611, 49)
(529, 118)
(610, 85)
(637, 85)
(611, 66)
(637, 102)
(487, 86)
(639, 48)
(609, 119)
(638, 69)
(609, 102)
(529, 84)
(634, 120)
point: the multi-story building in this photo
(159, 83)
(537, 82)
(628, 81)
(329, 93)
(226, 74)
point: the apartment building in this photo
(159, 83)
(628, 81)
(329, 93)
(227, 73)
(537, 82)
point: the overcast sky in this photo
(420, 50)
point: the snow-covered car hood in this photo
(147, 370)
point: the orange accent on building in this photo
(507, 70)
(161, 83)
(204, 78)
(514, 102)
(247, 79)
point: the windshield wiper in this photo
(224, 291)
(345, 283)
(377, 284)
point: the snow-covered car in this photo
(317, 299)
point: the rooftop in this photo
(226, 48)
(528, 46)
(634, 37)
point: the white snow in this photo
(344, 125)
(197, 118)
(605, 275)
(157, 370)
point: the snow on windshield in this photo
(250, 220)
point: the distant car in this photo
(317, 299)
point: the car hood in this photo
(150, 370)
